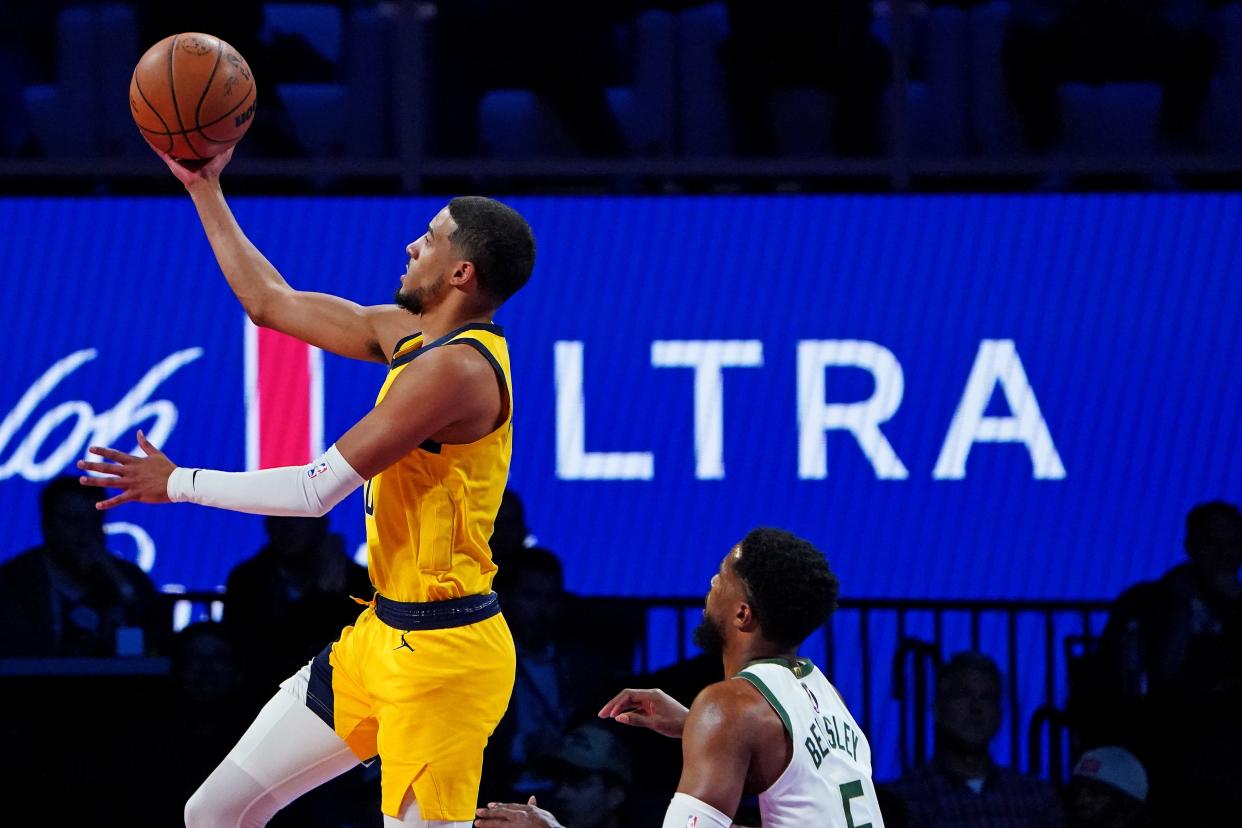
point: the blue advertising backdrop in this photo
(953, 396)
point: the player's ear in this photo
(745, 618)
(465, 272)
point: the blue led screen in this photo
(953, 396)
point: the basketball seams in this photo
(138, 86)
(172, 92)
(189, 143)
(198, 110)
(202, 129)
(213, 121)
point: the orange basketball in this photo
(192, 95)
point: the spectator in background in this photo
(511, 535)
(1108, 789)
(1051, 42)
(191, 727)
(963, 787)
(556, 682)
(591, 775)
(805, 43)
(1175, 644)
(562, 49)
(70, 596)
(294, 594)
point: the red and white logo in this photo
(284, 400)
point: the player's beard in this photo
(420, 299)
(709, 637)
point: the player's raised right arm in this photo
(325, 321)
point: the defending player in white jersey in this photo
(775, 726)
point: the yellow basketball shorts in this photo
(422, 686)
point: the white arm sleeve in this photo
(290, 491)
(684, 809)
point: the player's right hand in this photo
(653, 709)
(190, 173)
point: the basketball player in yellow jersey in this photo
(425, 674)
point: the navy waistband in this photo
(436, 615)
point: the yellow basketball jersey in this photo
(430, 514)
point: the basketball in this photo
(192, 95)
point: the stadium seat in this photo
(1223, 120)
(1115, 119)
(116, 32)
(96, 48)
(317, 110)
(802, 116)
(515, 123)
(369, 56)
(936, 97)
(703, 109)
(316, 114)
(994, 125)
(940, 128)
(319, 24)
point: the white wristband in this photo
(685, 810)
(292, 491)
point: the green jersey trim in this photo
(771, 697)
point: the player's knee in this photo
(207, 808)
(230, 798)
(199, 812)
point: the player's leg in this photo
(441, 706)
(287, 751)
(411, 817)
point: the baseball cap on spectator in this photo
(594, 749)
(1116, 767)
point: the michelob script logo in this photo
(24, 448)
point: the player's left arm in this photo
(716, 748)
(445, 387)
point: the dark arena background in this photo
(953, 291)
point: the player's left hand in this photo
(510, 813)
(141, 479)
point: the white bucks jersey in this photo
(828, 781)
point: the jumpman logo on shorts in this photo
(404, 643)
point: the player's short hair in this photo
(497, 240)
(969, 660)
(63, 488)
(792, 591)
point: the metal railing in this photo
(884, 654)
(889, 650)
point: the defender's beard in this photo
(709, 637)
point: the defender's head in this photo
(476, 246)
(773, 584)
